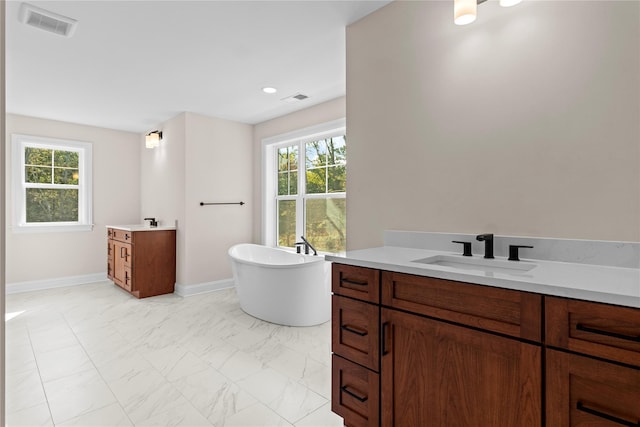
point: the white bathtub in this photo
(282, 287)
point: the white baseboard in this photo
(203, 288)
(38, 285)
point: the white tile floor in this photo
(93, 355)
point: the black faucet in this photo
(307, 245)
(488, 244)
(153, 222)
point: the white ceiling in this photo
(131, 65)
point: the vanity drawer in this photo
(602, 330)
(120, 235)
(355, 392)
(356, 282)
(504, 311)
(587, 392)
(355, 331)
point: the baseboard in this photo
(203, 288)
(61, 282)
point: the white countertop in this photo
(612, 285)
(142, 227)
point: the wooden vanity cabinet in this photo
(592, 364)
(355, 378)
(428, 352)
(142, 262)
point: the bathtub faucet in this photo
(307, 245)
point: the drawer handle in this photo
(383, 338)
(581, 327)
(121, 253)
(353, 282)
(581, 407)
(352, 394)
(354, 331)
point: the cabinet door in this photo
(435, 374)
(110, 256)
(121, 263)
(587, 392)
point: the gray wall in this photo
(525, 122)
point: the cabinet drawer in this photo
(504, 311)
(355, 393)
(602, 330)
(356, 282)
(355, 331)
(121, 235)
(586, 392)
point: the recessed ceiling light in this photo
(269, 89)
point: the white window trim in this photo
(269, 168)
(85, 187)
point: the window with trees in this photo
(311, 193)
(51, 184)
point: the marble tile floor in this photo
(93, 355)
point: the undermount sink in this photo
(478, 264)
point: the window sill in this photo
(66, 228)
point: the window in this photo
(308, 190)
(51, 184)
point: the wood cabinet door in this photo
(110, 252)
(436, 374)
(585, 392)
(121, 261)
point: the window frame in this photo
(270, 200)
(19, 143)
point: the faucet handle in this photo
(466, 247)
(153, 222)
(513, 251)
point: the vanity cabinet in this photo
(433, 352)
(142, 262)
(592, 364)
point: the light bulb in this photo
(464, 11)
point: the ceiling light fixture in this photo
(465, 11)
(269, 89)
(152, 139)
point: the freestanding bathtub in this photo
(280, 286)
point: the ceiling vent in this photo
(46, 20)
(295, 98)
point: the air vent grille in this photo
(46, 20)
(295, 98)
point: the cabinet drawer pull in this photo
(581, 407)
(353, 282)
(123, 255)
(383, 338)
(581, 327)
(353, 330)
(352, 394)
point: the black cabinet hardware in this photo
(632, 338)
(353, 282)
(352, 394)
(581, 407)
(353, 330)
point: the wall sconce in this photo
(465, 11)
(152, 139)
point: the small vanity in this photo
(423, 335)
(141, 259)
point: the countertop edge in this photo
(142, 227)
